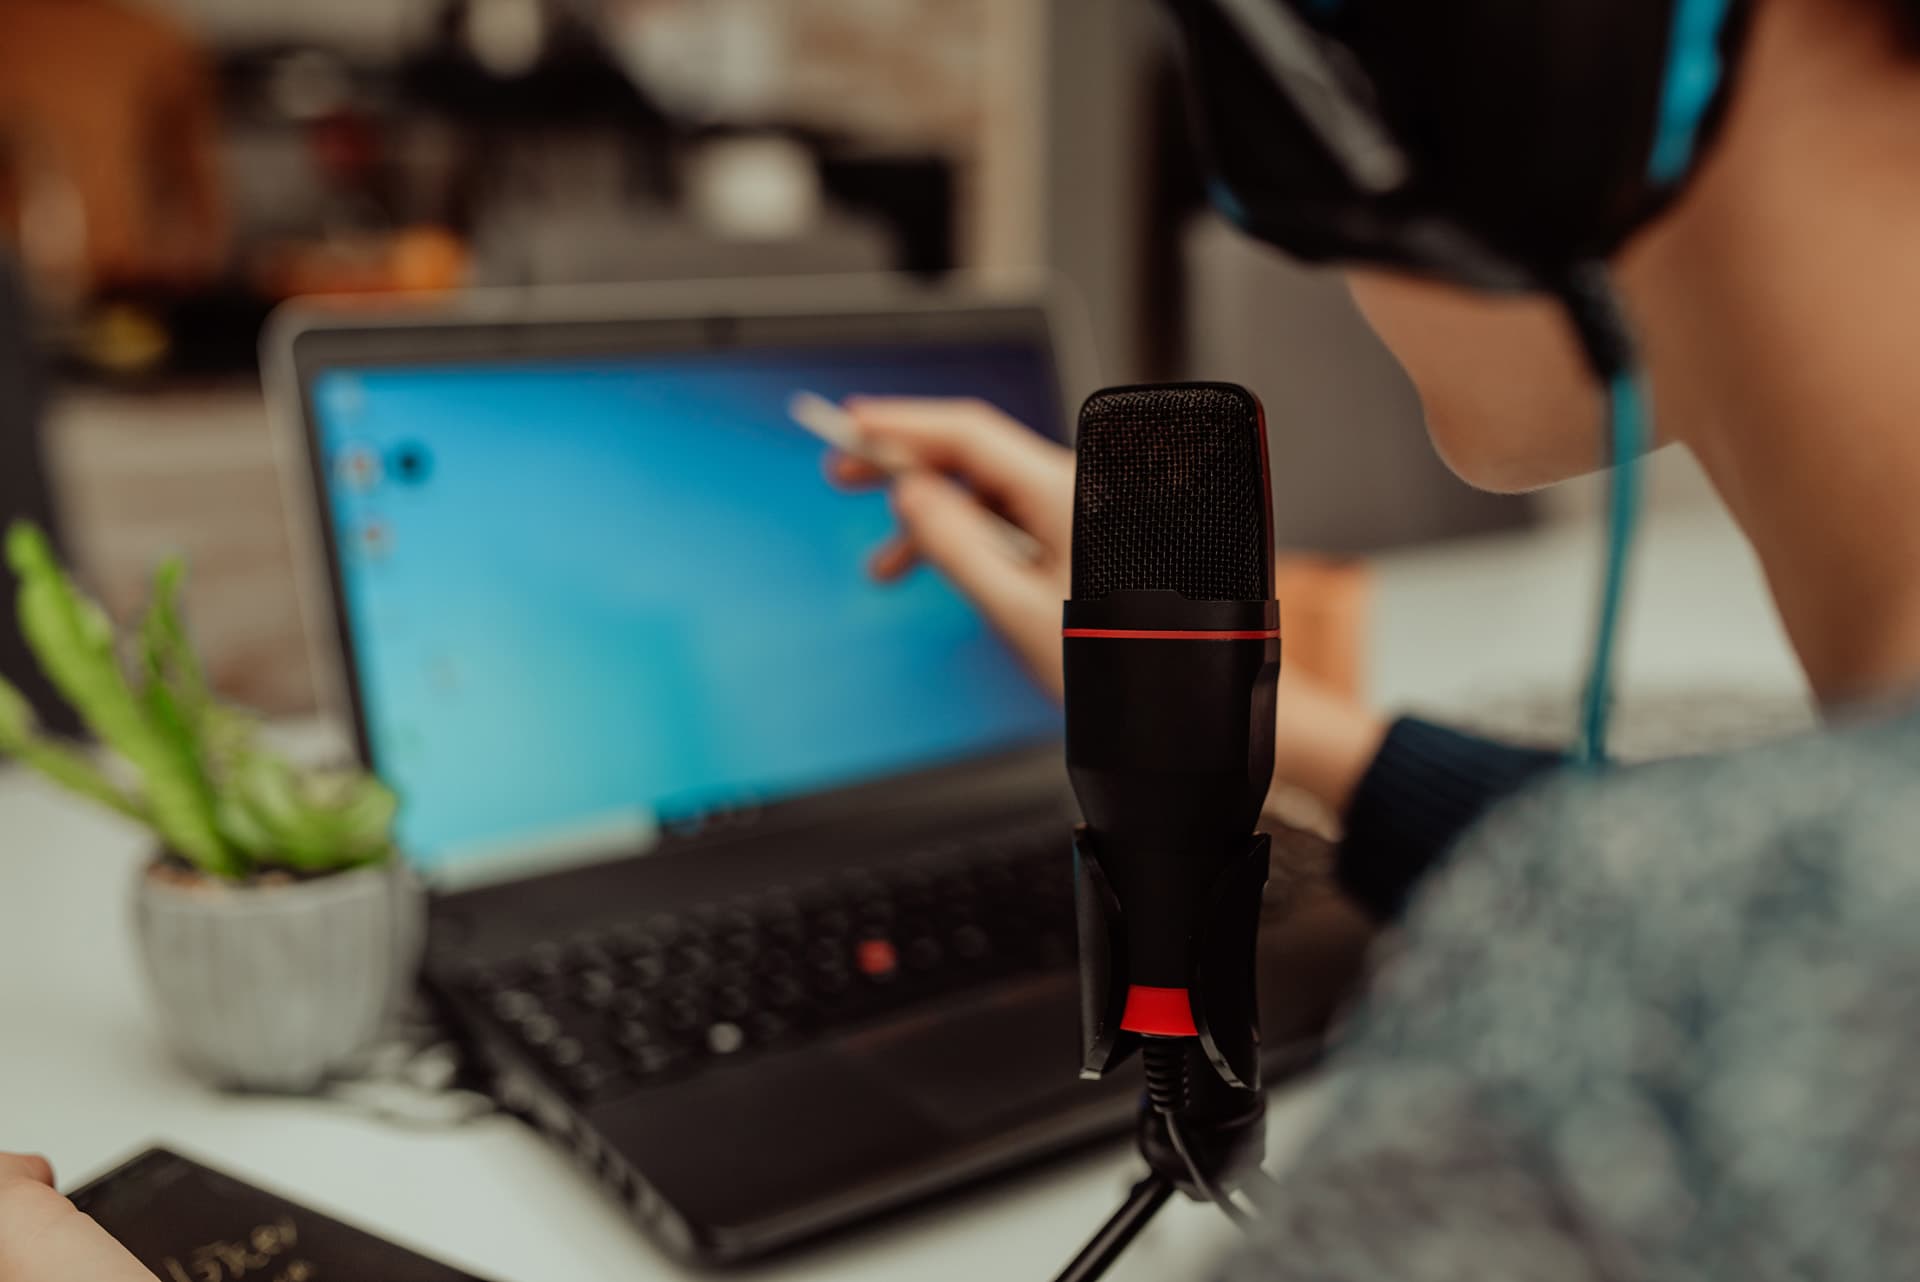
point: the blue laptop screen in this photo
(589, 597)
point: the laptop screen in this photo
(590, 598)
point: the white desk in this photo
(83, 1079)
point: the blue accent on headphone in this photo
(1226, 203)
(1694, 71)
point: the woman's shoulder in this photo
(1688, 824)
(1683, 999)
(1661, 1013)
(1664, 884)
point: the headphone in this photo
(1497, 144)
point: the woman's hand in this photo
(43, 1238)
(971, 470)
(968, 470)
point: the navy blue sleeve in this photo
(1427, 785)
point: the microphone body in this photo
(1172, 655)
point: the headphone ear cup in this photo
(1525, 136)
(1529, 123)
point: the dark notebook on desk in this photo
(189, 1223)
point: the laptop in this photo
(751, 877)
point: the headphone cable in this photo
(1606, 338)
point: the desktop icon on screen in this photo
(410, 463)
(358, 469)
(374, 539)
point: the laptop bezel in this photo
(306, 338)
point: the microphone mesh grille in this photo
(1171, 494)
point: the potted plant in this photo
(276, 925)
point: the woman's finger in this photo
(850, 473)
(893, 559)
(951, 531)
(1025, 475)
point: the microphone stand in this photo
(1202, 1126)
(1098, 1255)
(1225, 1157)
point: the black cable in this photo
(1599, 320)
(1215, 1194)
(1165, 1061)
(1098, 1255)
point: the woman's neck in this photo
(1826, 486)
(1782, 303)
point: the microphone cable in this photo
(1165, 1064)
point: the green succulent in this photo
(202, 781)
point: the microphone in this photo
(1172, 654)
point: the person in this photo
(1649, 1022)
(42, 1236)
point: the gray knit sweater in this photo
(1661, 1023)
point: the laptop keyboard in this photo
(634, 1003)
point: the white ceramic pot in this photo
(273, 986)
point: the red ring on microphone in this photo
(1165, 1012)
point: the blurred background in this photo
(170, 170)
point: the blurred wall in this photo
(1099, 170)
